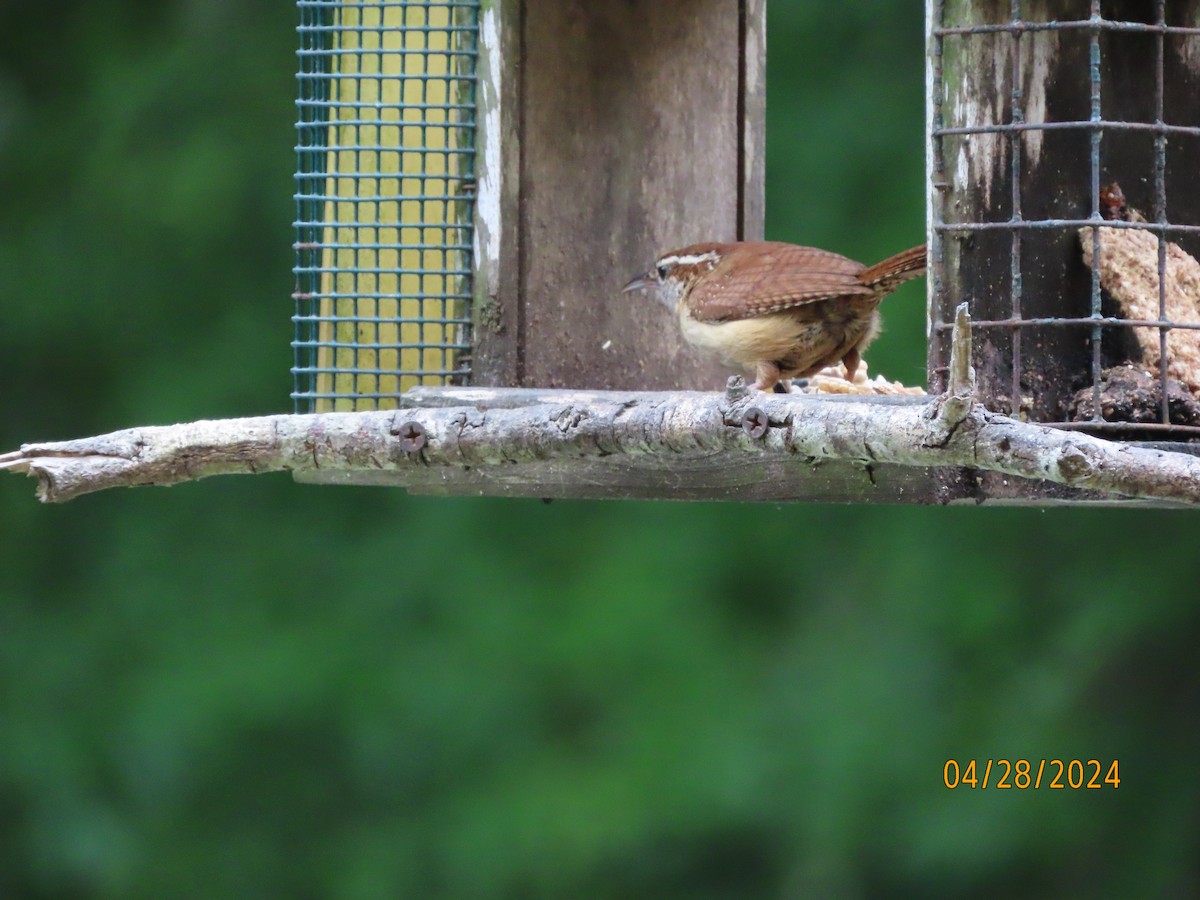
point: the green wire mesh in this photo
(384, 199)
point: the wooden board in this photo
(610, 132)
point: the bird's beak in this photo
(640, 283)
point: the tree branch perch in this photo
(666, 441)
(633, 430)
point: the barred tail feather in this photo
(888, 275)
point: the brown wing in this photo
(772, 276)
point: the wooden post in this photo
(1045, 77)
(609, 132)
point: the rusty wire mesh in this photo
(1054, 141)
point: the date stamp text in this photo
(1023, 774)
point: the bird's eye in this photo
(662, 272)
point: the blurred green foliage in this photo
(248, 687)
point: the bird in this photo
(781, 310)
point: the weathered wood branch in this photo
(456, 434)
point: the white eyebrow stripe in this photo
(691, 260)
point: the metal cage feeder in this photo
(469, 173)
(1041, 113)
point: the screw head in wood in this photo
(411, 436)
(755, 422)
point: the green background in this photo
(249, 687)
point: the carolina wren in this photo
(784, 311)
